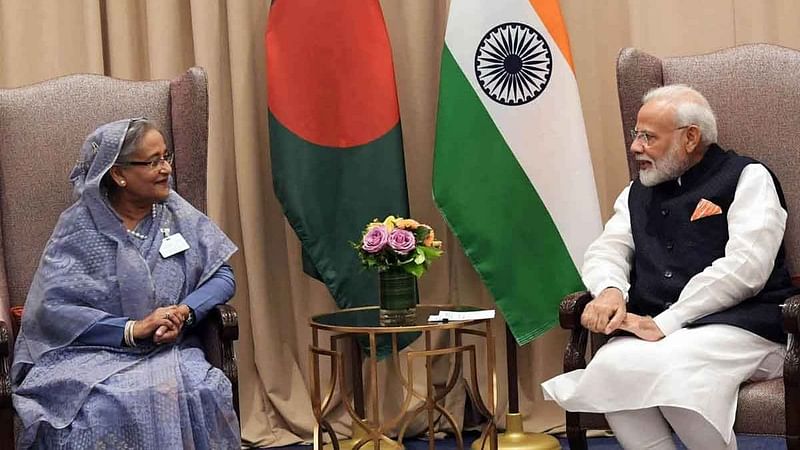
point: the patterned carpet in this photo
(744, 442)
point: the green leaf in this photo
(415, 269)
(420, 258)
(407, 260)
(430, 252)
(421, 233)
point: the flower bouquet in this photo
(401, 250)
(398, 243)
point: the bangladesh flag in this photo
(512, 172)
(334, 127)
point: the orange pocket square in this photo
(705, 208)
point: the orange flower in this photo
(428, 242)
(406, 224)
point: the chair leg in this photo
(7, 428)
(576, 436)
(792, 442)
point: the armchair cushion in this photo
(761, 408)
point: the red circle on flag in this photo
(330, 78)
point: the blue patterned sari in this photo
(75, 396)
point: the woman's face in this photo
(143, 183)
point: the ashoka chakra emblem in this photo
(513, 63)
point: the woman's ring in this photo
(167, 316)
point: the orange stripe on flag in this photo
(550, 13)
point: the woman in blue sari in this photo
(106, 357)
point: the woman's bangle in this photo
(128, 335)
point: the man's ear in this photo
(692, 139)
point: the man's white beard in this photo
(668, 167)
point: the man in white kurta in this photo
(673, 372)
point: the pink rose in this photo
(402, 241)
(375, 239)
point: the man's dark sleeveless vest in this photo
(671, 249)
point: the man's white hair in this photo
(691, 108)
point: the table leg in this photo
(492, 379)
(373, 366)
(319, 402)
(430, 394)
(356, 365)
(315, 388)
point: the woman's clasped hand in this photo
(163, 325)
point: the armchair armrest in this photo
(791, 315)
(569, 316)
(5, 366)
(218, 331)
(791, 369)
(6, 407)
(571, 308)
(5, 346)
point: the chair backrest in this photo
(42, 127)
(755, 92)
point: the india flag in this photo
(512, 172)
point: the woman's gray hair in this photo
(133, 137)
(691, 108)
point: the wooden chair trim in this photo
(218, 332)
(791, 372)
(5, 365)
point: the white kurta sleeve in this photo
(607, 262)
(756, 222)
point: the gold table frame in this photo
(372, 427)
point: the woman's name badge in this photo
(172, 245)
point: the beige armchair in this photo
(755, 91)
(42, 127)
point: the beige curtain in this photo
(146, 39)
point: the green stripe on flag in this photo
(495, 212)
(330, 194)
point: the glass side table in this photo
(363, 323)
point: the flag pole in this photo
(515, 438)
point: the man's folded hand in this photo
(605, 313)
(642, 326)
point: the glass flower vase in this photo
(398, 297)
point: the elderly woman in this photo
(106, 357)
